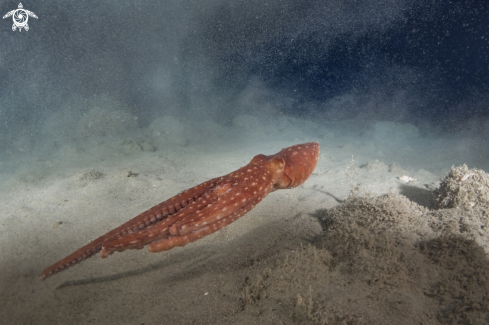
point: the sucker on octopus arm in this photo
(203, 209)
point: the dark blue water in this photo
(418, 62)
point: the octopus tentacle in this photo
(143, 221)
(224, 206)
(173, 241)
(161, 211)
(227, 208)
(142, 238)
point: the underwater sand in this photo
(302, 256)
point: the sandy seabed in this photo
(353, 245)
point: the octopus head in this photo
(298, 163)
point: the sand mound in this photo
(381, 260)
(463, 187)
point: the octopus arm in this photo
(143, 221)
(224, 206)
(182, 240)
(72, 259)
(160, 230)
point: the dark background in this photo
(411, 61)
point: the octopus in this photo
(203, 209)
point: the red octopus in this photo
(203, 209)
